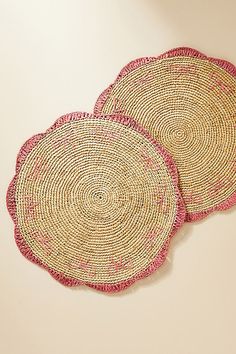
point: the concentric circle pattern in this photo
(188, 103)
(95, 201)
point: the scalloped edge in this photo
(180, 51)
(68, 281)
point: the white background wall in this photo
(56, 57)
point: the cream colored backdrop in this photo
(56, 57)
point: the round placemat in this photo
(95, 201)
(187, 102)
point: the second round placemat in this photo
(187, 102)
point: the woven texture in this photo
(95, 201)
(187, 102)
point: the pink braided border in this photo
(25, 249)
(181, 51)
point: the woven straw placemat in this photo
(95, 201)
(187, 102)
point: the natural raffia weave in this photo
(95, 201)
(187, 102)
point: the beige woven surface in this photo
(89, 201)
(189, 106)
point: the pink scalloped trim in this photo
(181, 51)
(25, 249)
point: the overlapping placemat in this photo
(187, 102)
(95, 201)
